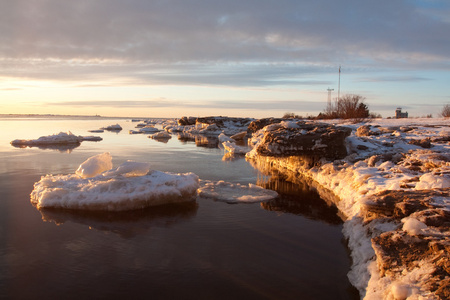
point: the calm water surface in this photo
(289, 248)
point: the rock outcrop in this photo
(422, 237)
(316, 140)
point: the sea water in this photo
(289, 248)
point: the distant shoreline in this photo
(53, 116)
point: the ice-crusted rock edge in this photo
(379, 159)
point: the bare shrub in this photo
(348, 107)
(290, 115)
(445, 112)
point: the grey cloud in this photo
(394, 79)
(179, 30)
(219, 104)
(218, 42)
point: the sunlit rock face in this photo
(304, 139)
(261, 123)
(420, 238)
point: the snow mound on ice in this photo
(95, 165)
(129, 169)
(235, 192)
(129, 186)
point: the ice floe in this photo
(162, 135)
(231, 147)
(115, 127)
(146, 130)
(235, 192)
(130, 186)
(62, 138)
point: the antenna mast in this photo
(339, 84)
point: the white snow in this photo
(431, 181)
(413, 226)
(130, 186)
(235, 192)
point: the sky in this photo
(237, 58)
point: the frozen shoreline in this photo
(390, 156)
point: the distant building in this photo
(399, 114)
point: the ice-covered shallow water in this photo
(289, 248)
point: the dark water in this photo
(289, 248)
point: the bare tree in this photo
(445, 112)
(348, 107)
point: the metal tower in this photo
(329, 99)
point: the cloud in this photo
(215, 42)
(179, 30)
(218, 104)
(394, 79)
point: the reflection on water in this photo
(58, 147)
(199, 140)
(228, 156)
(126, 224)
(299, 199)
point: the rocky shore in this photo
(390, 181)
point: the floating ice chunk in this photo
(413, 226)
(60, 138)
(114, 193)
(235, 192)
(91, 138)
(146, 129)
(160, 136)
(239, 136)
(129, 169)
(95, 165)
(115, 127)
(224, 138)
(235, 149)
(96, 186)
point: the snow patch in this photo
(413, 226)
